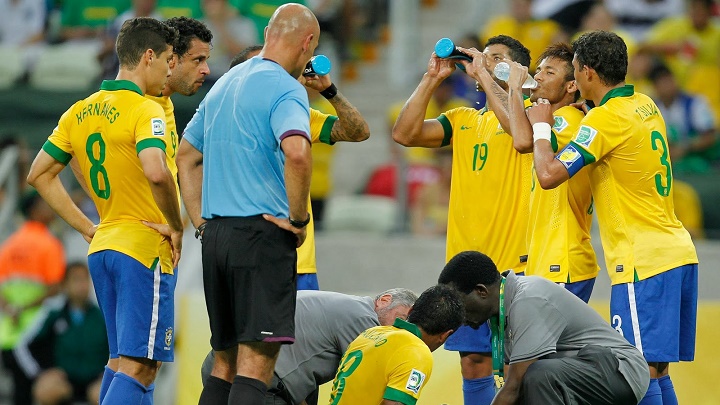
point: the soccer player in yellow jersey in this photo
(390, 365)
(558, 236)
(347, 126)
(189, 69)
(650, 257)
(489, 195)
(119, 139)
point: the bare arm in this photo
(350, 126)
(520, 127)
(190, 174)
(164, 191)
(44, 177)
(550, 172)
(497, 97)
(411, 127)
(298, 169)
(75, 167)
(510, 392)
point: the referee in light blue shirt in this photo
(248, 146)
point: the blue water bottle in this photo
(446, 49)
(318, 65)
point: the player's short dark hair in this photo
(140, 34)
(560, 51)
(188, 29)
(438, 310)
(518, 52)
(468, 269)
(606, 53)
(244, 55)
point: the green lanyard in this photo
(497, 327)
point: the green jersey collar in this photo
(410, 327)
(113, 85)
(627, 90)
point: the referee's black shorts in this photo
(250, 274)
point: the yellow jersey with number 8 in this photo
(106, 132)
(384, 362)
(624, 144)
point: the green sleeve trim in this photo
(57, 153)
(391, 394)
(149, 143)
(326, 130)
(553, 141)
(447, 128)
(585, 154)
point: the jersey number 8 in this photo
(97, 170)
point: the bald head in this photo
(291, 37)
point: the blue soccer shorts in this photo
(307, 281)
(581, 289)
(467, 339)
(137, 303)
(658, 315)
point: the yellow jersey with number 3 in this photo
(384, 362)
(558, 236)
(624, 144)
(320, 126)
(489, 192)
(106, 132)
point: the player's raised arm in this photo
(550, 171)
(350, 126)
(411, 127)
(520, 127)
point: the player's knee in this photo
(475, 365)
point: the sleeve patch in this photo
(415, 381)
(585, 136)
(571, 158)
(560, 124)
(158, 126)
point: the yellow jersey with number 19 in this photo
(558, 236)
(489, 189)
(384, 362)
(106, 132)
(623, 140)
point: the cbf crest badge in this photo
(168, 338)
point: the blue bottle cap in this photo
(444, 47)
(321, 65)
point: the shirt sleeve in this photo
(408, 371)
(150, 127)
(534, 327)
(290, 114)
(590, 143)
(58, 144)
(321, 125)
(194, 131)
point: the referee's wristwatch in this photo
(199, 231)
(300, 224)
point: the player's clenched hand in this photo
(440, 68)
(284, 223)
(174, 236)
(315, 82)
(541, 111)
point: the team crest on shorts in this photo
(415, 381)
(158, 127)
(168, 338)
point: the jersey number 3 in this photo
(664, 190)
(98, 174)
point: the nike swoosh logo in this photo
(464, 127)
